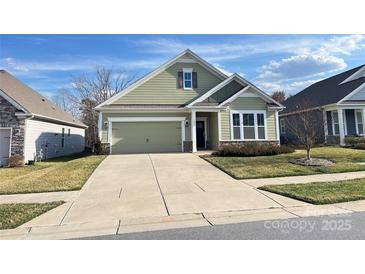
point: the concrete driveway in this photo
(153, 185)
(131, 189)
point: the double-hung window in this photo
(188, 78)
(260, 126)
(335, 123)
(248, 126)
(236, 123)
(359, 125)
(282, 126)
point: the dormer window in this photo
(187, 78)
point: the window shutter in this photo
(195, 79)
(180, 79)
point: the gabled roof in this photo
(161, 68)
(325, 92)
(31, 102)
(245, 84)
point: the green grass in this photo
(322, 193)
(14, 215)
(346, 160)
(60, 174)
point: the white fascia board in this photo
(59, 121)
(12, 101)
(266, 96)
(160, 69)
(212, 91)
(240, 80)
(353, 76)
(234, 96)
(137, 110)
(146, 119)
(352, 93)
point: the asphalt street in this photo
(333, 227)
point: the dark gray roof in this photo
(327, 91)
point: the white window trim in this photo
(145, 119)
(357, 121)
(282, 126)
(188, 70)
(255, 112)
(333, 123)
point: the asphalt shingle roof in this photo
(32, 101)
(327, 91)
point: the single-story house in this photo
(33, 127)
(339, 102)
(187, 105)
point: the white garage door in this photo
(4, 146)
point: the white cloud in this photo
(297, 71)
(300, 66)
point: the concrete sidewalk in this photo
(132, 225)
(39, 197)
(304, 179)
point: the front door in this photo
(200, 134)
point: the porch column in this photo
(325, 125)
(363, 120)
(193, 130)
(341, 126)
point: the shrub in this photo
(16, 161)
(252, 149)
(359, 146)
(354, 140)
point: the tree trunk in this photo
(308, 154)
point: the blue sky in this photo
(291, 62)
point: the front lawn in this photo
(322, 193)
(346, 160)
(14, 215)
(60, 174)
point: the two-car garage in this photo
(146, 134)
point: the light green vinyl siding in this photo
(271, 125)
(105, 117)
(146, 137)
(213, 130)
(225, 125)
(248, 103)
(163, 89)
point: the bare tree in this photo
(90, 90)
(279, 96)
(307, 126)
(68, 102)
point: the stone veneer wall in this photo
(8, 119)
(188, 146)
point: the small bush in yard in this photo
(354, 140)
(359, 146)
(252, 149)
(16, 161)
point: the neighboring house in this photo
(187, 105)
(33, 127)
(339, 101)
